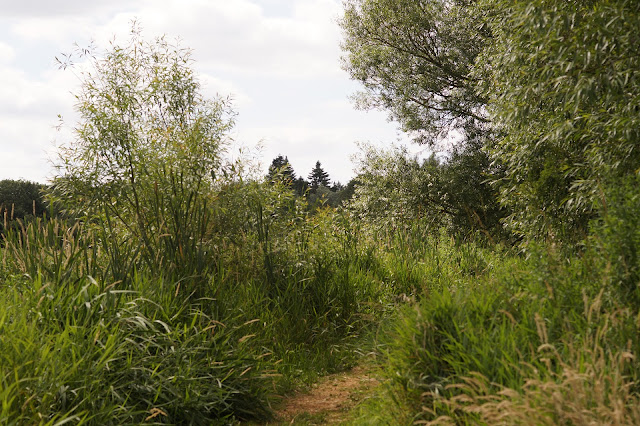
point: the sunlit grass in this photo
(502, 338)
(92, 334)
(463, 332)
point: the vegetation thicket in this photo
(496, 282)
(20, 199)
(543, 96)
(173, 286)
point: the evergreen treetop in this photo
(318, 177)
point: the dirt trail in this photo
(329, 400)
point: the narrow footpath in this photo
(330, 400)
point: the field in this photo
(159, 279)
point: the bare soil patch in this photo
(330, 400)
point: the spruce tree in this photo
(281, 168)
(318, 177)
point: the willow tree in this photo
(414, 59)
(564, 91)
(146, 147)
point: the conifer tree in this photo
(280, 166)
(318, 177)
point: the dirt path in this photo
(329, 400)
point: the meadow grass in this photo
(464, 332)
(499, 337)
(91, 334)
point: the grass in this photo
(92, 334)
(249, 306)
(79, 354)
(501, 338)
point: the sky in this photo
(279, 60)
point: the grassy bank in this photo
(94, 332)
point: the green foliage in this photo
(418, 61)
(552, 96)
(147, 148)
(396, 189)
(389, 193)
(562, 83)
(285, 297)
(289, 293)
(317, 192)
(414, 59)
(617, 235)
(281, 168)
(179, 289)
(20, 198)
(98, 354)
(547, 334)
(464, 186)
(318, 177)
(325, 197)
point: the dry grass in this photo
(588, 386)
(330, 400)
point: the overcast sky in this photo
(278, 59)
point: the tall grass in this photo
(92, 352)
(226, 314)
(247, 295)
(587, 385)
(504, 338)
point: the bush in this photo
(516, 333)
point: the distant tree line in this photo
(20, 199)
(317, 189)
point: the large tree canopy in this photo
(549, 88)
(414, 59)
(564, 91)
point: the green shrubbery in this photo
(176, 288)
(546, 331)
(547, 335)
(92, 333)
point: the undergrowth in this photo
(92, 334)
(534, 336)
(464, 332)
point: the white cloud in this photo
(278, 59)
(234, 36)
(28, 116)
(25, 97)
(7, 53)
(57, 30)
(213, 87)
(238, 37)
(25, 148)
(48, 8)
